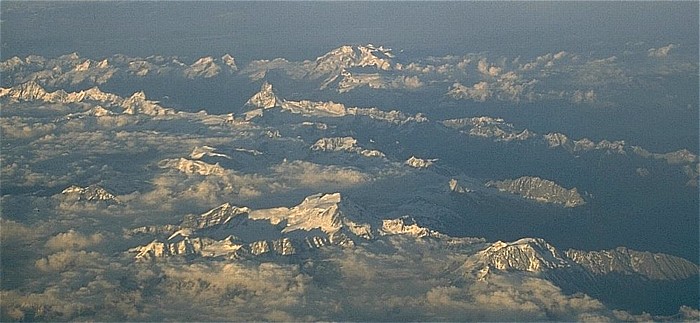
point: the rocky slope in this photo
(540, 190)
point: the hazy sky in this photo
(299, 30)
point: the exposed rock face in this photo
(621, 260)
(541, 190)
(536, 256)
(527, 254)
(217, 216)
(407, 226)
(335, 144)
(456, 188)
(93, 193)
(71, 69)
(488, 127)
(201, 151)
(311, 108)
(560, 140)
(229, 61)
(136, 104)
(347, 144)
(158, 249)
(203, 67)
(349, 56)
(330, 214)
(393, 116)
(265, 99)
(319, 220)
(416, 162)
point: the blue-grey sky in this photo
(299, 30)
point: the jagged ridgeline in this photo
(365, 185)
(540, 190)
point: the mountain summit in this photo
(264, 99)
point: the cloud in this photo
(600, 72)
(511, 298)
(67, 260)
(12, 232)
(487, 69)
(661, 52)
(73, 240)
(407, 82)
(220, 290)
(314, 175)
(15, 128)
(478, 92)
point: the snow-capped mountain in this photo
(189, 166)
(264, 99)
(573, 267)
(71, 69)
(218, 201)
(345, 57)
(621, 260)
(416, 162)
(320, 219)
(135, 104)
(527, 254)
(93, 193)
(488, 127)
(347, 144)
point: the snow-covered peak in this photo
(527, 254)
(264, 99)
(200, 151)
(311, 108)
(335, 144)
(90, 193)
(316, 211)
(180, 234)
(416, 162)
(189, 166)
(204, 67)
(354, 56)
(489, 127)
(407, 226)
(329, 213)
(229, 61)
(217, 216)
(473, 122)
(556, 139)
(28, 91)
(393, 116)
(99, 111)
(347, 144)
(11, 64)
(656, 266)
(93, 94)
(138, 104)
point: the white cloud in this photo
(318, 176)
(16, 128)
(67, 260)
(73, 240)
(480, 91)
(487, 69)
